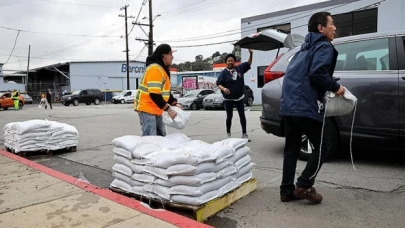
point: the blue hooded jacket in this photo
(308, 77)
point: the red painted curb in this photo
(166, 216)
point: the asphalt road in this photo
(371, 196)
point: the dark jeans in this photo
(49, 102)
(294, 128)
(240, 106)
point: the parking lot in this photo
(371, 196)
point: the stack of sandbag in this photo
(36, 135)
(177, 169)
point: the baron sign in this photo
(136, 69)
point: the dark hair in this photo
(316, 19)
(230, 56)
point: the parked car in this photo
(194, 99)
(6, 101)
(216, 100)
(371, 66)
(86, 96)
(126, 96)
(27, 98)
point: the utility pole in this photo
(126, 41)
(28, 68)
(150, 51)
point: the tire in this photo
(66, 104)
(193, 106)
(5, 108)
(20, 105)
(207, 108)
(88, 103)
(249, 101)
(122, 101)
(333, 132)
(97, 101)
(75, 102)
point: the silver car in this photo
(371, 66)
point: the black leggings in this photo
(240, 106)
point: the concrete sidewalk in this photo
(32, 195)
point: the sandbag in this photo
(121, 185)
(180, 121)
(239, 153)
(120, 168)
(159, 190)
(196, 180)
(156, 171)
(166, 158)
(195, 144)
(243, 161)
(125, 161)
(228, 187)
(190, 170)
(129, 142)
(242, 171)
(226, 172)
(178, 137)
(162, 142)
(242, 179)
(340, 105)
(234, 143)
(200, 190)
(143, 177)
(195, 201)
(126, 179)
(122, 152)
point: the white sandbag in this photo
(226, 172)
(178, 137)
(195, 144)
(166, 158)
(242, 171)
(125, 161)
(234, 143)
(220, 153)
(340, 105)
(122, 152)
(139, 190)
(22, 127)
(239, 153)
(121, 185)
(190, 170)
(242, 179)
(163, 142)
(156, 171)
(126, 179)
(228, 187)
(180, 121)
(130, 142)
(200, 190)
(120, 168)
(195, 201)
(243, 161)
(143, 177)
(161, 191)
(196, 180)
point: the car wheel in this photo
(5, 108)
(207, 108)
(97, 101)
(88, 103)
(122, 101)
(307, 147)
(249, 101)
(193, 106)
(75, 102)
(66, 105)
(20, 105)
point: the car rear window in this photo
(282, 63)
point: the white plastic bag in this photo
(180, 121)
(340, 105)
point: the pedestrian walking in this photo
(231, 82)
(154, 96)
(307, 79)
(48, 99)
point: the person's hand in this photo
(250, 51)
(179, 106)
(341, 91)
(226, 91)
(172, 113)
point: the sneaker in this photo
(309, 194)
(288, 198)
(229, 135)
(245, 136)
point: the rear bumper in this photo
(272, 126)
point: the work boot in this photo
(288, 198)
(309, 194)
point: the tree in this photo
(199, 58)
(237, 52)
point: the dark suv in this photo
(371, 66)
(86, 96)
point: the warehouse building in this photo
(351, 17)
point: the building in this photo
(9, 82)
(107, 76)
(351, 17)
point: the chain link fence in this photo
(35, 90)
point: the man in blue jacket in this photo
(307, 79)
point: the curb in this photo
(163, 215)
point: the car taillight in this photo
(272, 75)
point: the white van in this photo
(126, 96)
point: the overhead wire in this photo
(15, 43)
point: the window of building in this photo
(260, 76)
(356, 23)
(285, 27)
(363, 55)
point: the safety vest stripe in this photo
(154, 85)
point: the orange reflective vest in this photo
(154, 80)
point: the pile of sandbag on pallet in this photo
(180, 170)
(36, 135)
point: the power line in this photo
(203, 45)
(56, 34)
(186, 11)
(137, 17)
(15, 42)
(193, 4)
(79, 4)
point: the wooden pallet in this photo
(41, 153)
(202, 212)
